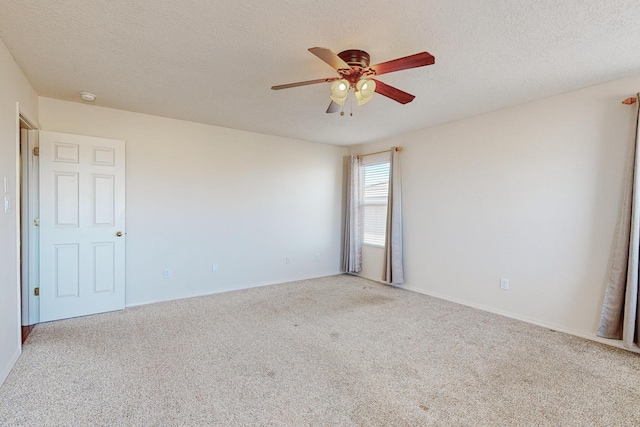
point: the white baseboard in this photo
(239, 288)
(548, 325)
(7, 369)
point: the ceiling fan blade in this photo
(333, 107)
(418, 60)
(330, 58)
(308, 82)
(393, 93)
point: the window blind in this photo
(374, 202)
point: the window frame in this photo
(362, 203)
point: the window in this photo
(374, 203)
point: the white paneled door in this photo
(82, 225)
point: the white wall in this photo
(372, 262)
(14, 87)
(200, 194)
(530, 193)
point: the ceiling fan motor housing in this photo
(358, 60)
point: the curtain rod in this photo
(630, 100)
(378, 152)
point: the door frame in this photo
(26, 208)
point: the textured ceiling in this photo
(215, 61)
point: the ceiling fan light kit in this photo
(356, 74)
(339, 91)
(365, 89)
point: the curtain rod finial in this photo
(630, 100)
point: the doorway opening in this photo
(28, 211)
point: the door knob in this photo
(119, 233)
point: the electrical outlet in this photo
(287, 260)
(166, 273)
(317, 257)
(214, 267)
(504, 284)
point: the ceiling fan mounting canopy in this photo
(355, 58)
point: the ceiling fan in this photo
(355, 73)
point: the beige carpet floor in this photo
(335, 351)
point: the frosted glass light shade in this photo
(362, 100)
(366, 87)
(339, 91)
(365, 90)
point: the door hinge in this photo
(36, 222)
(36, 292)
(36, 151)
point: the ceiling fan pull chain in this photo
(354, 94)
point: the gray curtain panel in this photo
(393, 263)
(620, 317)
(352, 249)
